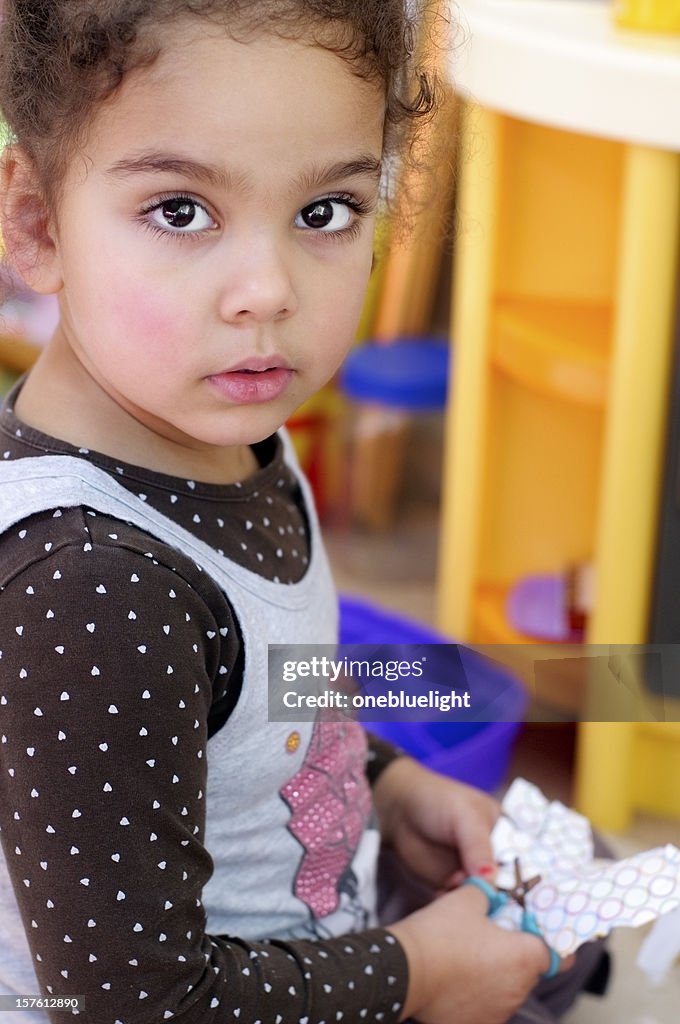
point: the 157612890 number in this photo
(66, 1004)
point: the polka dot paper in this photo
(578, 898)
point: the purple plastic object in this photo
(474, 752)
(538, 606)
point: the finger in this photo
(470, 898)
(486, 871)
(454, 880)
(537, 958)
(566, 963)
(555, 964)
(473, 838)
(476, 852)
(433, 863)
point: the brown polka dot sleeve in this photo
(118, 660)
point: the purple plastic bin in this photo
(474, 752)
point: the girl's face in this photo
(215, 239)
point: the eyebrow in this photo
(364, 165)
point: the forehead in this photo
(266, 106)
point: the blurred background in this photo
(497, 463)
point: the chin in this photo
(237, 435)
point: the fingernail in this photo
(486, 870)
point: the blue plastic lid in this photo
(411, 373)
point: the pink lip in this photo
(258, 379)
(259, 363)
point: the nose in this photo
(258, 284)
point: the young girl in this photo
(197, 181)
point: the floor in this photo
(395, 568)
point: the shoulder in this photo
(92, 595)
(72, 560)
(81, 538)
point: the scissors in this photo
(498, 898)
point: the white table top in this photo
(564, 63)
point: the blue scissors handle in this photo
(530, 925)
(498, 898)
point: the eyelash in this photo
(156, 229)
(358, 206)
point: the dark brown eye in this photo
(179, 213)
(328, 216)
(318, 215)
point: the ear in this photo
(27, 228)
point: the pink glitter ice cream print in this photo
(330, 802)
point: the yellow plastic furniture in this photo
(564, 300)
(17, 353)
(648, 15)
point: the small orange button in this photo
(293, 742)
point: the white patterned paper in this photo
(578, 898)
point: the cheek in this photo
(147, 319)
(342, 320)
(115, 297)
(340, 289)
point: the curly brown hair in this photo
(60, 59)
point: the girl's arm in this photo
(101, 804)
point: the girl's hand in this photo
(462, 966)
(439, 828)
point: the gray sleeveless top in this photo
(278, 795)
